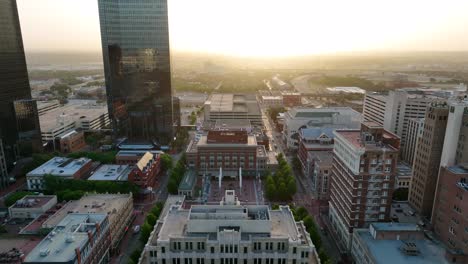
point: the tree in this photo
(315, 237)
(12, 198)
(135, 256)
(151, 219)
(291, 186)
(145, 232)
(166, 162)
(323, 256)
(172, 186)
(309, 222)
(301, 213)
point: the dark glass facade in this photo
(135, 46)
(19, 122)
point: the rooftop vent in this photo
(410, 249)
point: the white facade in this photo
(394, 110)
(229, 233)
(272, 101)
(457, 108)
(233, 107)
(374, 108)
(331, 117)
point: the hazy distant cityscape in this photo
(147, 154)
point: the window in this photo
(294, 250)
(212, 249)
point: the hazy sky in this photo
(264, 27)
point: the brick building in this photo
(450, 216)
(229, 150)
(70, 142)
(145, 172)
(427, 159)
(364, 169)
(291, 99)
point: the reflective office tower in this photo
(19, 121)
(135, 45)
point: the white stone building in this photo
(228, 233)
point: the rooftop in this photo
(108, 172)
(389, 251)
(187, 183)
(145, 161)
(107, 204)
(403, 170)
(137, 153)
(383, 226)
(33, 201)
(328, 112)
(74, 111)
(355, 138)
(59, 166)
(249, 220)
(316, 132)
(69, 234)
(233, 103)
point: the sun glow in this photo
(265, 27)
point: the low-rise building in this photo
(110, 172)
(32, 206)
(78, 238)
(313, 140)
(65, 168)
(77, 114)
(233, 106)
(291, 99)
(231, 151)
(229, 233)
(270, 101)
(322, 171)
(389, 243)
(403, 176)
(131, 157)
(72, 141)
(330, 117)
(187, 185)
(145, 172)
(117, 207)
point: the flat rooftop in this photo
(327, 112)
(187, 183)
(353, 136)
(69, 234)
(203, 142)
(137, 153)
(395, 226)
(73, 111)
(403, 170)
(389, 251)
(59, 166)
(33, 201)
(108, 204)
(109, 172)
(229, 103)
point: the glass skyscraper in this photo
(135, 46)
(19, 121)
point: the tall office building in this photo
(415, 128)
(393, 111)
(135, 47)
(19, 121)
(427, 159)
(364, 168)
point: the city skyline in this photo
(266, 29)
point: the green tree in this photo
(12, 198)
(145, 232)
(166, 162)
(135, 256)
(323, 256)
(301, 213)
(151, 219)
(291, 186)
